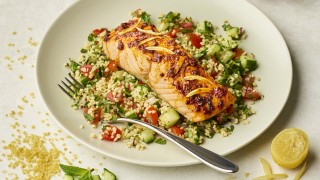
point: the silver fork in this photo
(70, 83)
(209, 158)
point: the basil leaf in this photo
(73, 170)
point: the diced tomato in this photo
(214, 74)
(186, 25)
(86, 71)
(110, 133)
(96, 116)
(195, 40)
(96, 32)
(214, 60)
(144, 119)
(252, 94)
(111, 67)
(152, 115)
(248, 81)
(237, 53)
(173, 32)
(110, 97)
(140, 82)
(177, 130)
(113, 98)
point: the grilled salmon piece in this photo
(168, 69)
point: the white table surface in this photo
(297, 20)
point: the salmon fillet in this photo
(168, 69)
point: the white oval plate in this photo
(68, 33)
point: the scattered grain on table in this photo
(32, 43)
(31, 155)
(11, 44)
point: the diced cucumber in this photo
(233, 32)
(169, 118)
(248, 63)
(145, 89)
(147, 135)
(228, 42)
(108, 175)
(118, 75)
(139, 92)
(131, 114)
(92, 59)
(226, 55)
(96, 177)
(213, 50)
(204, 27)
(67, 177)
(163, 26)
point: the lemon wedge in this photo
(290, 148)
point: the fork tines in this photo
(71, 86)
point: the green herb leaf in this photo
(146, 17)
(226, 26)
(160, 140)
(107, 108)
(132, 116)
(114, 118)
(186, 31)
(74, 171)
(83, 51)
(88, 117)
(121, 111)
(91, 37)
(85, 81)
(73, 65)
(201, 53)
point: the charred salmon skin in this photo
(167, 68)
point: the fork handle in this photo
(209, 158)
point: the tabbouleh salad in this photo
(110, 92)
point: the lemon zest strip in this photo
(266, 167)
(200, 78)
(158, 48)
(149, 32)
(300, 173)
(198, 91)
(149, 39)
(271, 176)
